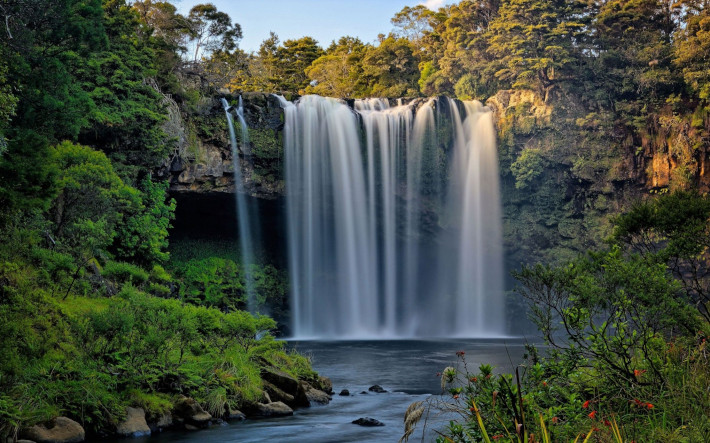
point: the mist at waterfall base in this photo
(393, 219)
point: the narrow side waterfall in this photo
(394, 219)
(248, 233)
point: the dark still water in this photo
(406, 369)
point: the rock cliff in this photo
(564, 171)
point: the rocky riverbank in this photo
(282, 394)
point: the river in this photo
(407, 369)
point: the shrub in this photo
(122, 272)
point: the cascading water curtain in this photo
(247, 217)
(394, 219)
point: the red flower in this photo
(649, 405)
(607, 423)
(638, 402)
(544, 383)
(585, 405)
(456, 397)
(474, 379)
(496, 437)
(638, 373)
(460, 353)
(555, 420)
(592, 414)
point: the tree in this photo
(413, 23)
(90, 199)
(8, 102)
(284, 65)
(142, 237)
(212, 30)
(673, 230)
(633, 38)
(539, 42)
(127, 113)
(455, 55)
(339, 72)
(165, 23)
(692, 47)
(294, 57)
(230, 70)
(167, 33)
(606, 309)
(392, 68)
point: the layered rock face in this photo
(204, 164)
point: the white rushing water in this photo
(248, 233)
(394, 219)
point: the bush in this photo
(625, 332)
(121, 272)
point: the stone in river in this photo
(367, 421)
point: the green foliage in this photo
(213, 282)
(694, 42)
(122, 272)
(220, 282)
(155, 405)
(90, 199)
(623, 342)
(339, 73)
(27, 181)
(527, 168)
(143, 235)
(458, 47)
(537, 41)
(267, 153)
(611, 310)
(212, 30)
(8, 102)
(633, 72)
(285, 64)
(674, 231)
(126, 112)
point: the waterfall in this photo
(394, 219)
(248, 231)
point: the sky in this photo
(324, 20)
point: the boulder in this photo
(301, 399)
(367, 421)
(191, 413)
(186, 177)
(59, 430)
(281, 380)
(376, 388)
(134, 425)
(326, 385)
(276, 394)
(164, 421)
(317, 396)
(273, 409)
(235, 415)
(344, 393)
